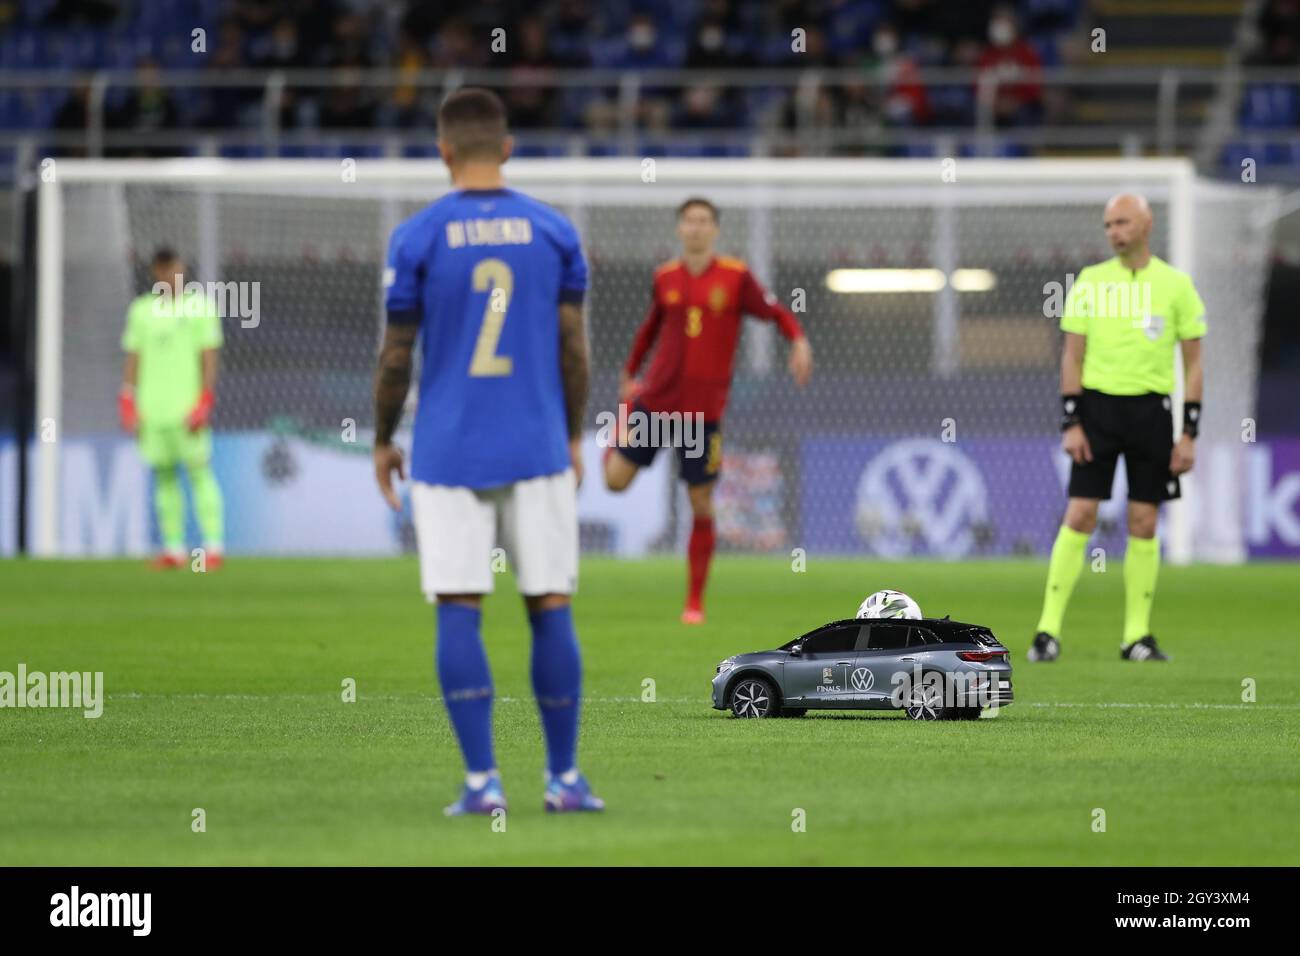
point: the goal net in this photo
(930, 290)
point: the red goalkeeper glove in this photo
(199, 415)
(126, 409)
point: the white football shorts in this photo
(534, 522)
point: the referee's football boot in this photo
(1145, 649)
(572, 797)
(484, 800)
(1045, 647)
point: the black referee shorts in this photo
(1141, 428)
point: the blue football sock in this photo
(466, 683)
(557, 683)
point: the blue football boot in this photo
(484, 800)
(573, 797)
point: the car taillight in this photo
(982, 657)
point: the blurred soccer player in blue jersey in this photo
(492, 283)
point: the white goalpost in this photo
(977, 345)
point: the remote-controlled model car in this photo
(930, 668)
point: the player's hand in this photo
(575, 460)
(1183, 457)
(201, 412)
(388, 459)
(1075, 443)
(627, 387)
(126, 412)
(801, 361)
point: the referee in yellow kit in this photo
(1122, 320)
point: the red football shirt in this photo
(696, 321)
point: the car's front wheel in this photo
(754, 697)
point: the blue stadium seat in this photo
(242, 152)
(758, 101)
(175, 53)
(775, 51)
(54, 50)
(85, 48)
(419, 151)
(913, 151)
(121, 53)
(1269, 106)
(10, 110)
(1238, 151)
(1048, 48)
(311, 151)
(21, 49)
(1060, 14)
(46, 106)
(849, 25)
(527, 149)
(34, 11)
(1283, 153)
(997, 149)
(190, 103)
(690, 150)
(953, 101)
(574, 104)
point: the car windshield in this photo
(788, 645)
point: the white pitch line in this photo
(1173, 706)
(132, 695)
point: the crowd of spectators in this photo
(886, 41)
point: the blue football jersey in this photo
(483, 272)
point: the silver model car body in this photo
(932, 668)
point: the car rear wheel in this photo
(925, 702)
(754, 697)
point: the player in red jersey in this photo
(696, 308)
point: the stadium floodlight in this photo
(311, 235)
(885, 280)
(908, 280)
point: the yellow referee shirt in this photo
(1132, 318)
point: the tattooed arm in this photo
(575, 369)
(392, 381)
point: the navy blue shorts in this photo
(692, 468)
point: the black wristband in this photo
(1191, 418)
(1070, 411)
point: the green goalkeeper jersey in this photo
(1133, 319)
(170, 337)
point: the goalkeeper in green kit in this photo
(171, 342)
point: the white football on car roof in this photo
(890, 604)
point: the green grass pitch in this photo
(224, 692)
